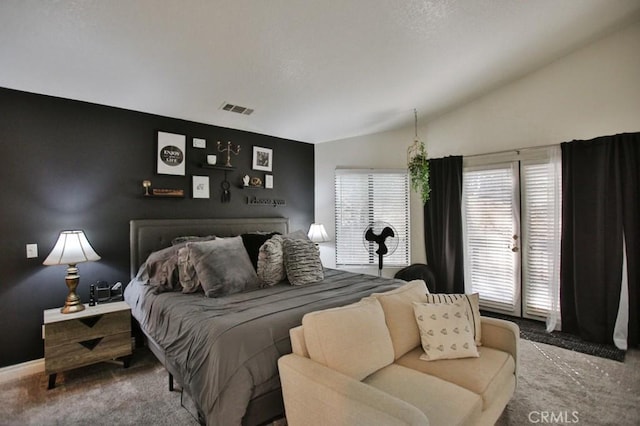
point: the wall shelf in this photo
(215, 167)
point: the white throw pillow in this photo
(471, 302)
(445, 331)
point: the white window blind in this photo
(491, 217)
(365, 196)
(541, 186)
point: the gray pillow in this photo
(302, 261)
(271, 262)
(187, 272)
(191, 239)
(160, 270)
(223, 266)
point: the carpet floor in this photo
(573, 388)
(552, 382)
(536, 331)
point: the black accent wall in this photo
(75, 165)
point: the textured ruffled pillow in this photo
(445, 332)
(160, 270)
(302, 261)
(191, 239)
(252, 243)
(187, 272)
(271, 262)
(471, 302)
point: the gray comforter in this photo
(226, 349)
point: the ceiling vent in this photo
(236, 108)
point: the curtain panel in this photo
(443, 224)
(600, 211)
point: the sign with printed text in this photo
(171, 154)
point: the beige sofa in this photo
(360, 365)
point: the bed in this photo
(223, 351)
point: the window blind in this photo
(490, 220)
(541, 233)
(363, 197)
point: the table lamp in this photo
(317, 233)
(71, 248)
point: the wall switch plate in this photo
(199, 143)
(32, 251)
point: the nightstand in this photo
(99, 333)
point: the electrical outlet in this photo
(32, 251)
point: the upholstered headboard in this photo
(149, 235)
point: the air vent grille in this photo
(236, 108)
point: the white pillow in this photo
(445, 332)
(471, 302)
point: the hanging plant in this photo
(418, 166)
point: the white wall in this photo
(381, 150)
(594, 91)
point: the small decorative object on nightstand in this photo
(98, 333)
(71, 248)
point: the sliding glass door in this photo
(511, 213)
(492, 228)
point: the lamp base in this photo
(70, 309)
(72, 304)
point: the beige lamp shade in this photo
(71, 248)
(317, 233)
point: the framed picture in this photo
(200, 186)
(262, 159)
(268, 181)
(171, 153)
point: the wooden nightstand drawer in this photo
(86, 328)
(98, 333)
(77, 354)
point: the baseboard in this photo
(19, 371)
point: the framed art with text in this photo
(171, 154)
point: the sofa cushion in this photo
(472, 305)
(442, 402)
(398, 311)
(352, 339)
(488, 375)
(445, 331)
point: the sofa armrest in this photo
(501, 334)
(317, 395)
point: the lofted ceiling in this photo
(313, 71)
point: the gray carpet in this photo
(552, 380)
(536, 331)
(574, 386)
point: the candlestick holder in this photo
(229, 150)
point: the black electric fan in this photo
(385, 236)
